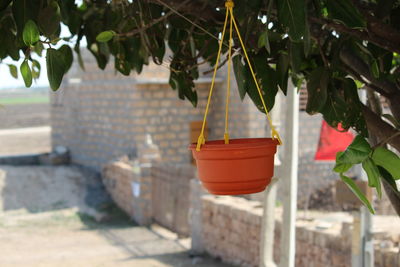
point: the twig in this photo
(387, 140)
(190, 21)
(363, 35)
(326, 63)
(152, 23)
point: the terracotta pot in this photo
(244, 166)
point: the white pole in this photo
(363, 248)
(289, 179)
(268, 220)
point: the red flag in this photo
(332, 141)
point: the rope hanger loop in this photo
(232, 23)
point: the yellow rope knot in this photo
(226, 138)
(275, 135)
(201, 141)
(229, 4)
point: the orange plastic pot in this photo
(244, 166)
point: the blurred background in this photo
(99, 174)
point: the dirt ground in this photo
(24, 129)
(62, 216)
(25, 141)
(64, 238)
(24, 115)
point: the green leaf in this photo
(292, 14)
(80, 59)
(55, 67)
(49, 19)
(122, 66)
(263, 41)
(354, 188)
(4, 4)
(101, 52)
(105, 36)
(239, 70)
(38, 48)
(343, 11)
(341, 167)
(375, 69)
(357, 151)
(267, 81)
(68, 57)
(24, 10)
(26, 73)
(317, 86)
(388, 160)
(183, 83)
(296, 52)
(13, 71)
(388, 179)
(282, 69)
(30, 34)
(35, 69)
(307, 40)
(373, 175)
(12, 48)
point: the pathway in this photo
(61, 216)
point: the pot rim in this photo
(234, 144)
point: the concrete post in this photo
(268, 220)
(195, 217)
(289, 179)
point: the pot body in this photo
(244, 166)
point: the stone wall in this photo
(231, 229)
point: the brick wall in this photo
(171, 193)
(100, 115)
(244, 118)
(231, 229)
(151, 191)
(130, 187)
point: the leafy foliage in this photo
(377, 162)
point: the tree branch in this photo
(391, 190)
(393, 195)
(375, 25)
(195, 8)
(392, 92)
(381, 129)
(149, 25)
(363, 35)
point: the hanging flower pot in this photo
(237, 166)
(243, 166)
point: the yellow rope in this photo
(201, 140)
(228, 89)
(274, 132)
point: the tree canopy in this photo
(338, 48)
